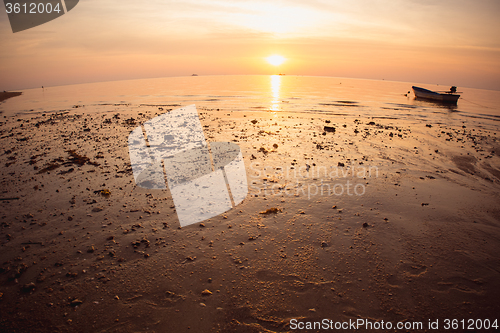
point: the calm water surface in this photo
(289, 94)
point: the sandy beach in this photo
(250, 166)
(346, 218)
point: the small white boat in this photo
(442, 97)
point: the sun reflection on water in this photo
(275, 89)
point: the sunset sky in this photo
(428, 41)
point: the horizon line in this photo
(205, 75)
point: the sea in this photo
(332, 96)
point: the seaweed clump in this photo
(73, 159)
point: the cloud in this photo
(232, 36)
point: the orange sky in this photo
(427, 41)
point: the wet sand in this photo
(421, 242)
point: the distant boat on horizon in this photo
(448, 97)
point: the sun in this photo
(275, 60)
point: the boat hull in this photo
(422, 93)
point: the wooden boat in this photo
(442, 97)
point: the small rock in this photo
(105, 193)
(365, 225)
(28, 287)
(272, 210)
(76, 302)
(206, 292)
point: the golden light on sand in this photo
(275, 60)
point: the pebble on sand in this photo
(206, 292)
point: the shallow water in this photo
(318, 95)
